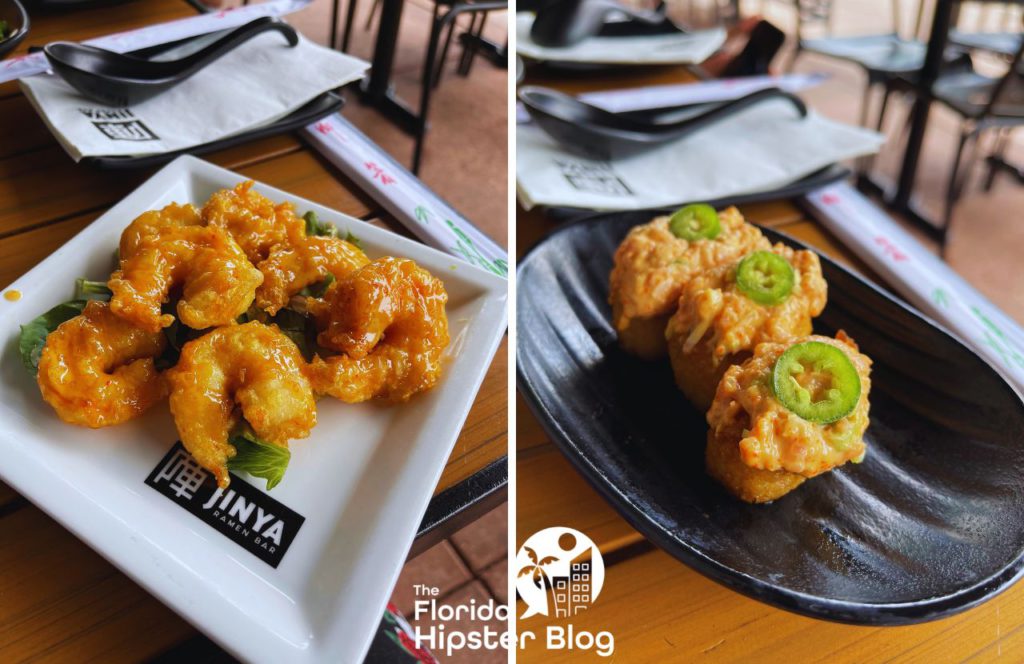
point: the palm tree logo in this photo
(536, 568)
(566, 582)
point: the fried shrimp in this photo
(217, 280)
(290, 268)
(97, 369)
(388, 321)
(156, 222)
(255, 222)
(252, 371)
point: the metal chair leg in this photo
(476, 33)
(998, 154)
(350, 16)
(444, 54)
(954, 185)
(374, 8)
(333, 37)
(425, 90)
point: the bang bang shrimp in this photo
(289, 269)
(218, 281)
(156, 222)
(255, 222)
(252, 371)
(98, 370)
(388, 321)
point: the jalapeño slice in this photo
(816, 381)
(695, 222)
(765, 278)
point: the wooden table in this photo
(60, 601)
(661, 610)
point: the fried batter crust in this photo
(389, 324)
(97, 369)
(253, 371)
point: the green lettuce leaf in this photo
(258, 458)
(33, 334)
(323, 228)
(91, 290)
(319, 288)
(316, 227)
(351, 238)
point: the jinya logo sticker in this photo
(244, 514)
(559, 572)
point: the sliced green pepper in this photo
(695, 222)
(765, 278)
(816, 381)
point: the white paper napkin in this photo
(258, 83)
(759, 149)
(688, 48)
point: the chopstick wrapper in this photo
(922, 278)
(30, 64)
(761, 148)
(256, 84)
(422, 211)
(681, 48)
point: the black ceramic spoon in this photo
(117, 79)
(580, 126)
(566, 22)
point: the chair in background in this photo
(443, 25)
(431, 69)
(475, 29)
(885, 57)
(984, 105)
(1004, 40)
(997, 163)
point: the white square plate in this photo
(362, 480)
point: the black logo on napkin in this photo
(593, 177)
(119, 124)
(243, 513)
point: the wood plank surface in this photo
(59, 600)
(662, 611)
(659, 609)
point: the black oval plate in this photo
(930, 524)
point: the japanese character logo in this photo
(183, 474)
